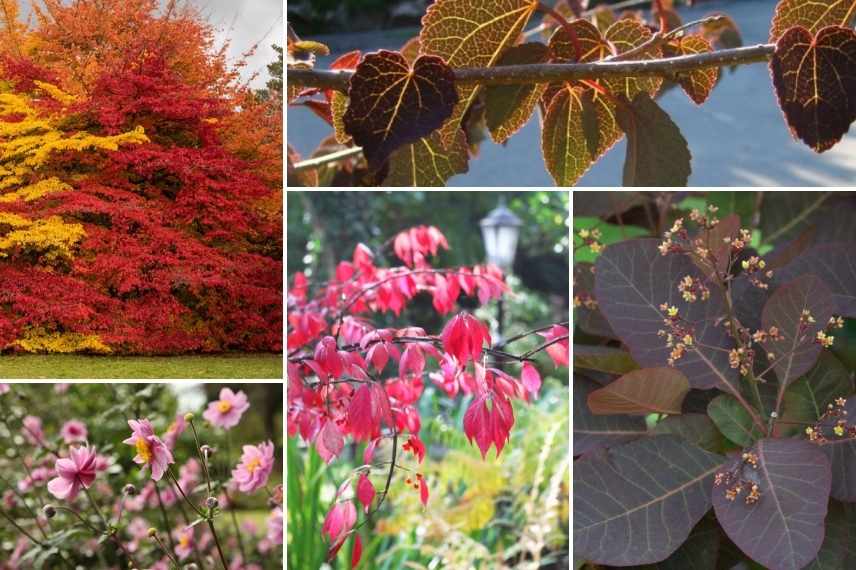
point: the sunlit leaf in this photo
(471, 34)
(783, 530)
(638, 503)
(428, 162)
(624, 35)
(812, 15)
(815, 81)
(645, 391)
(697, 84)
(393, 104)
(509, 107)
(596, 432)
(657, 152)
(578, 42)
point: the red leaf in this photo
(423, 491)
(489, 426)
(328, 357)
(531, 379)
(337, 524)
(357, 551)
(365, 492)
(558, 351)
(329, 441)
(412, 361)
(464, 336)
(378, 355)
(363, 414)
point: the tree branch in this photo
(549, 72)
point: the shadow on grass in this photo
(68, 366)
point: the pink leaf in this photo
(531, 379)
(329, 441)
(365, 492)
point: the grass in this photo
(220, 366)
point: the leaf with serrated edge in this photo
(471, 33)
(645, 391)
(632, 280)
(338, 106)
(427, 162)
(393, 103)
(841, 451)
(784, 529)
(798, 350)
(592, 46)
(807, 398)
(697, 84)
(509, 107)
(815, 81)
(812, 15)
(657, 152)
(624, 35)
(733, 420)
(596, 432)
(638, 503)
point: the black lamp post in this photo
(500, 229)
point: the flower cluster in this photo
(692, 288)
(678, 334)
(738, 479)
(833, 424)
(753, 268)
(591, 239)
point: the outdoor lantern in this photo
(500, 230)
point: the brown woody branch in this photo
(549, 72)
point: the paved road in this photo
(738, 137)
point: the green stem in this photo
(217, 542)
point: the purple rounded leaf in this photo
(632, 280)
(784, 529)
(841, 451)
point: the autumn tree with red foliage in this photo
(348, 379)
(136, 213)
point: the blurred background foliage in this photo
(510, 512)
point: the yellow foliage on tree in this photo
(40, 340)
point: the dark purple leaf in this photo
(632, 280)
(595, 432)
(835, 264)
(784, 529)
(798, 350)
(841, 451)
(588, 315)
(733, 420)
(638, 502)
(699, 552)
(838, 537)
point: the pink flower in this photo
(4, 389)
(174, 431)
(274, 526)
(32, 430)
(255, 467)
(151, 451)
(61, 388)
(184, 542)
(227, 411)
(73, 430)
(74, 471)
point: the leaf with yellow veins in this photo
(625, 35)
(510, 106)
(428, 162)
(578, 42)
(393, 103)
(813, 16)
(338, 106)
(471, 33)
(698, 83)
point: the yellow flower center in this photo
(184, 540)
(253, 464)
(223, 406)
(143, 450)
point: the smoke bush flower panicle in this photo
(255, 467)
(77, 470)
(227, 411)
(151, 450)
(73, 431)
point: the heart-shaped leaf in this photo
(645, 391)
(428, 162)
(697, 84)
(813, 16)
(841, 451)
(657, 152)
(596, 432)
(797, 351)
(815, 81)
(624, 35)
(468, 35)
(393, 104)
(578, 42)
(733, 420)
(509, 107)
(783, 529)
(632, 280)
(638, 502)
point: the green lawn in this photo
(223, 366)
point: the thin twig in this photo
(317, 162)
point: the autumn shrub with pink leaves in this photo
(134, 476)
